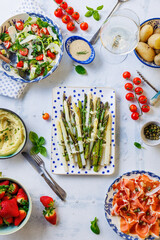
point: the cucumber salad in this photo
(36, 45)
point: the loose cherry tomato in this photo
(58, 1)
(128, 86)
(137, 81)
(130, 96)
(64, 5)
(142, 99)
(7, 44)
(50, 54)
(145, 108)
(76, 15)
(20, 64)
(135, 116)
(126, 75)
(19, 25)
(70, 10)
(138, 90)
(66, 19)
(133, 108)
(34, 28)
(58, 12)
(39, 58)
(24, 51)
(84, 26)
(45, 116)
(70, 26)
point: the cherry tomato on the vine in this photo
(58, 1)
(76, 15)
(19, 25)
(70, 10)
(137, 81)
(142, 99)
(130, 96)
(66, 19)
(84, 26)
(126, 75)
(138, 90)
(58, 12)
(64, 5)
(133, 108)
(135, 116)
(128, 86)
(45, 116)
(145, 108)
(70, 26)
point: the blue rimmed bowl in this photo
(5, 68)
(155, 23)
(114, 221)
(67, 46)
(6, 230)
(25, 136)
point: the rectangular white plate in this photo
(77, 93)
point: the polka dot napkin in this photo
(9, 87)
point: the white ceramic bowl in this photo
(148, 141)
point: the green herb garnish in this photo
(94, 13)
(82, 53)
(80, 70)
(37, 144)
(94, 227)
(138, 145)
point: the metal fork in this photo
(41, 163)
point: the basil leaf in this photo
(33, 137)
(96, 15)
(34, 150)
(100, 7)
(89, 13)
(91, 9)
(138, 145)
(94, 227)
(80, 70)
(43, 151)
(41, 23)
(41, 141)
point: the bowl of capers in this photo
(150, 133)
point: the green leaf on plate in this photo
(80, 70)
(96, 15)
(33, 137)
(100, 7)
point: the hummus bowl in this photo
(13, 134)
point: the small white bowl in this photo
(149, 142)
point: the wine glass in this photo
(119, 35)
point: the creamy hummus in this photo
(12, 133)
(80, 50)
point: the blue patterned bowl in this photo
(6, 230)
(67, 46)
(114, 221)
(5, 68)
(155, 23)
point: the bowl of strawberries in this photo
(15, 206)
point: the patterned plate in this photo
(77, 93)
(114, 221)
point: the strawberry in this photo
(9, 208)
(3, 189)
(47, 201)
(19, 219)
(4, 183)
(13, 188)
(8, 221)
(22, 197)
(7, 196)
(50, 215)
(1, 221)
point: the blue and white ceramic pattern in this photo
(114, 221)
(77, 93)
(67, 46)
(5, 68)
(155, 23)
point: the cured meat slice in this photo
(155, 229)
(142, 229)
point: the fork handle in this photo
(53, 187)
(61, 190)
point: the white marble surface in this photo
(85, 195)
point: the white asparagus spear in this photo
(65, 137)
(67, 117)
(79, 132)
(107, 150)
(94, 133)
(61, 148)
(89, 97)
(94, 108)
